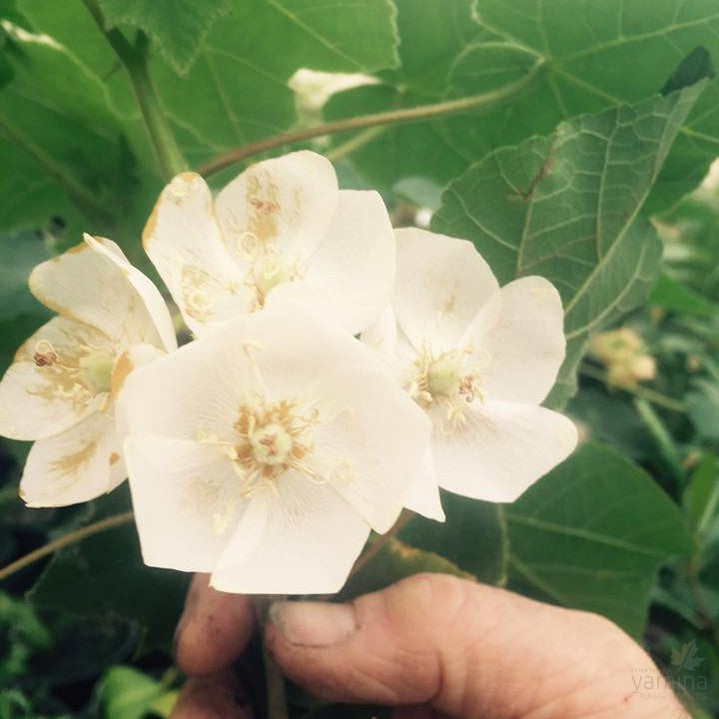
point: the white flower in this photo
(479, 360)
(61, 387)
(281, 229)
(264, 452)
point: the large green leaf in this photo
(237, 90)
(63, 141)
(592, 534)
(177, 26)
(433, 33)
(609, 53)
(394, 561)
(73, 136)
(566, 207)
(473, 537)
(104, 574)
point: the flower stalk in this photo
(134, 60)
(362, 122)
(67, 540)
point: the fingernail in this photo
(313, 624)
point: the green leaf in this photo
(472, 537)
(433, 33)
(105, 574)
(701, 497)
(19, 253)
(610, 419)
(566, 207)
(672, 295)
(591, 535)
(236, 91)
(394, 561)
(177, 26)
(695, 66)
(703, 408)
(129, 694)
(585, 64)
(65, 153)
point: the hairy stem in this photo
(274, 679)
(65, 541)
(410, 114)
(134, 60)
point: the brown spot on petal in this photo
(114, 457)
(70, 463)
(75, 248)
(122, 368)
(262, 197)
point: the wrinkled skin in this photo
(431, 646)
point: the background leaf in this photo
(105, 574)
(473, 537)
(592, 534)
(566, 207)
(487, 44)
(177, 26)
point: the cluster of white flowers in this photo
(265, 450)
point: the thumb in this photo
(466, 650)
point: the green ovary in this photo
(273, 274)
(443, 376)
(271, 445)
(97, 370)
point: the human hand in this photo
(431, 645)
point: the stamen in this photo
(445, 381)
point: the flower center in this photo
(97, 370)
(271, 444)
(444, 382)
(443, 375)
(270, 274)
(77, 371)
(268, 440)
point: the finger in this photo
(218, 696)
(213, 630)
(465, 649)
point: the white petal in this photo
(183, 241)
(93, 284)
(74, 466)
(441, 284)
(195, 392)
(518, 341)
(502, 449)
(310, 541)
(145, 288)
(423, 495)
(182, 494)
(381, 335)
(352, 272)
(40, 401)
(281, 206)
(369, 435)
(136, 356)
